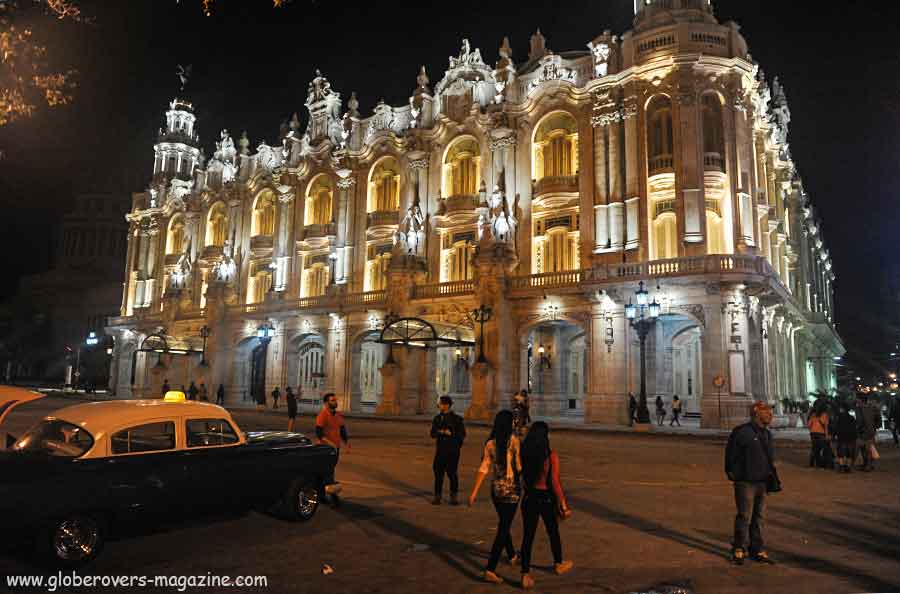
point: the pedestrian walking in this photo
(749, 465)
(220, 395)
(331, 430)
(846, 435)
(632, 409)
(660, 411)
(502, 460)
(542, 498)
(204, 393)
(260, 396)
(894, 419)
(291, 400)
(165, 387)
(676, 411)
(521, 416)
(819, 437)
(868, 421)
(276, 394)
(192, 391)
(449, 431)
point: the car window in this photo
(209, 432)
(150, 437)
(56, 438)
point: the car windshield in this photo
(56, 438)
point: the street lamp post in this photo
(482, 315)
(204, 334)
(642, 318)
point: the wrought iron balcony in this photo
(555, 184)
(316, 231)
(381, 218)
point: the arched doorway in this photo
(368, 355)
(674, 363)
(306, 370)
(248, 380)
(555, 360)
(687, 380)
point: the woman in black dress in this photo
(291, 406)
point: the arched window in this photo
(259, 284)
(216, 225)
(175, 237)
(715, 235)
(665, 233)
(459, 261)
(713, 136)
(316, 279)
(555, 146)
(376, 269)
(659, 136)
(384, 186)
(462, 169)
(318, 201)
(263, 215)
(559, 251)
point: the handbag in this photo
(873, 452)
(773, 482)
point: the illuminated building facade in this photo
(545, 189)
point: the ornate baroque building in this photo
(544, 188)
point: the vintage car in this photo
(79, 474)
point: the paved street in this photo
(649, 510)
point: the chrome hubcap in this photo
(307, 500)
(76, 538)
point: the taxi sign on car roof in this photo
(174, 396)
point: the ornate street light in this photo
(544, 357)
(642, 317)
(204, 334)
(481, 315)
(265, 331)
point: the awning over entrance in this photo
(419, 333)
(166, 343)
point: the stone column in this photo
(689, 180)
(493, 262)
(633, 171)
(343, 243)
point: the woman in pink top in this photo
(543, 498)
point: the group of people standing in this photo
(834, 430)
(660, 410)
(197, 393)
(524, 473)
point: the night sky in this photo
(838, 61)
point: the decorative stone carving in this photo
(551, 69)
(345, 183)
(319, 88)
(695, 310)
(601, 51)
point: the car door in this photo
(212, 459)
(144, 473)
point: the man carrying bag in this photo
(749, 465)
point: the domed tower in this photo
(177, 151)
(653, 13)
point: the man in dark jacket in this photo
(748, 464)
(868, 421)
(449, 431)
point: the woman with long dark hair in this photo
(501, 459)
(543, 499)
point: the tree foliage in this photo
(27, 81)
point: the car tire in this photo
(73, 540)
(301, 499)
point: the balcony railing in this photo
(714, 264)
(556, 184)
(661, 164)
(461, 202)
(314, 231)
(367, 298)
(448, 289)
(547, 280)
(713, 162)
(381, 218)
(262, 242)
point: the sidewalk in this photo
(689, 428)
